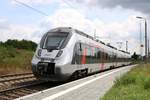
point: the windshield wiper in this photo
(60, 43)
(50, 48)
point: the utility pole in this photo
(148, 48)
(126, 46)
(146, 54)
(141, 46)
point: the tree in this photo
(23, 44)
(135, 56)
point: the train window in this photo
(96, 57)
(54, 40)
(89, 54)
(92, 55)
(42, 40)
(74, 55)
(80, 47)
(109, 57)
(106, 56)
(115, 57)
(77, 54)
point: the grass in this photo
(135, 85)
(14, 60)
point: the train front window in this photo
(55, 40)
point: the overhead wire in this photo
(66, 2)
(34, 9)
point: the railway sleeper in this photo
(12, 95)
(19, 93)
(9, 97)
(4, 98)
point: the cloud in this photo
(13, 31)
(137, 5)
(68, 18)
(112, 31)
(108, 32)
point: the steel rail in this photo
(3, 93)
(15, 79)
(13, 75)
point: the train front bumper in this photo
(49, 72)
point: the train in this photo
(65, 52)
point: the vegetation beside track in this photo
(15, 58)
(135, 85)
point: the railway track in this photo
(26, 89)
(21, 90)
(17, 85)
(14, 81)
(11, 80)
(29, 87)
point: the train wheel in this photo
(85, 72)
(79, 74)
(74, 76)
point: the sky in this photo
(112, 21)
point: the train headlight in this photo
(59, 53)
(39, 52)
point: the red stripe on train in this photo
(84, 56)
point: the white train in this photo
(65, 52)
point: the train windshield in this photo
(55, 40)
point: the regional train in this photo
(65, 52)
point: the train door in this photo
(77, 54)
(83, 58)
(115, 59)
(84, 52)
(102, 59)
(80, 50)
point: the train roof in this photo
(68, 29)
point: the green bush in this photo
(23, 44)
(147, 83)
(2, 54)
(7, 52)
(126, 80)
(135, 85)
(11, 52)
